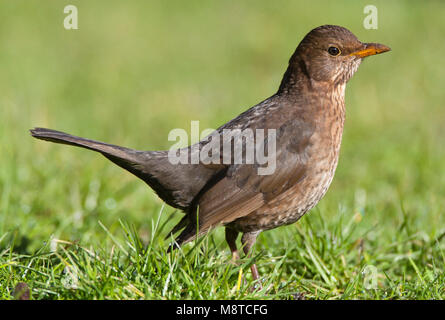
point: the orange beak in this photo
(370, 50)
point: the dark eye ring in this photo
(334, 51)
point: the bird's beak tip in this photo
(371, 49)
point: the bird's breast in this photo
(320, 159)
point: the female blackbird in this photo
(306, 114)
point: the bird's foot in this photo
(256, 286)
(235, 258)
(299, 296)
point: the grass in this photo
(75, 226)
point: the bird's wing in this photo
(243, 190)
(233, 198)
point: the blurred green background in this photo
(134, 70)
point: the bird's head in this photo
(332, 54)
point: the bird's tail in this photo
(150, 166)
(106, 149)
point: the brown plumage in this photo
(308, 114)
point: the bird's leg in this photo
(231, 236)
(248, 240)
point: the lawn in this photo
(75, 226)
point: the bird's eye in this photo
(334, 51)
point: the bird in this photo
(306, 115)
